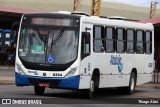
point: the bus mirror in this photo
(15, 26)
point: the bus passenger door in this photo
(85, 65)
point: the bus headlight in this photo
(71, 72)
(20, 70)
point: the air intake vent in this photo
(117, 18)
(64, 12)
(80, 13)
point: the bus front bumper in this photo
(64, 83)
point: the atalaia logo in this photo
(117, 60)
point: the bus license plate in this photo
(44, 84)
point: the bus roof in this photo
(102, 21)
(117, 23)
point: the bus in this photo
(1, 39)
(5, 38)
(76, 51)
(7, 35)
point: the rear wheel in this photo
(39, 90)
(89, 92)
(132, 84)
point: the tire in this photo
(89, 92)
(132, 84)
(39, 90)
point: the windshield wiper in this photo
(56, 38)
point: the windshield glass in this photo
(51, 46)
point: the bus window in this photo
(148, 42)
(110, 38)
(85, 45)
(120, 40)
(139, 46)
(98, 39)
(130, 41)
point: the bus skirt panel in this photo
(64, 83)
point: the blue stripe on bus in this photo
(65, 83)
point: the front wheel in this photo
(89, 92)
(39, 90)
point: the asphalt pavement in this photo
(8, 89)
(7, 75)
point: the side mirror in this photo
(15, 25)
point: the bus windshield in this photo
(49, 45)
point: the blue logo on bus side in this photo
(117, 60)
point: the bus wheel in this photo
(132, 84)
(89, 92)
(39, 90)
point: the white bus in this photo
(81, 52)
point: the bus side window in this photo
(98, 39)
(130, 41)
(110, 39)
(120, 40)
(139, 42)
(148, 40)
(85, 44)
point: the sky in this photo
(141, 3)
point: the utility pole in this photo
(153, 9)
(76, 5)
(96, 7)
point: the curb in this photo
(6, 68)
(157, 87)
(151, 84)
(7, 83)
